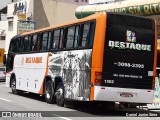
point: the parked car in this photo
(2, 74)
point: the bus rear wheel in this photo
(59, 94)
(49, 93)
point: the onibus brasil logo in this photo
(130, 43)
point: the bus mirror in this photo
(4, 59)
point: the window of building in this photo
(10, 26)
(2, 37)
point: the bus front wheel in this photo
(49, 92)
(13, 86)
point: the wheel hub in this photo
(47, 95)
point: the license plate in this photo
(125, 94)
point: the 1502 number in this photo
(109, 81)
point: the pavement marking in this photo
(65, 118)
(5, 99)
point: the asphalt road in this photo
(33, 107)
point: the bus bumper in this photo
(123, 94)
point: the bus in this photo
(105, 57)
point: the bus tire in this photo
(13, 86)
(49, 93)
(59, 94)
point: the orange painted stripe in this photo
(46, 73)
(98, 50)
(155, 53)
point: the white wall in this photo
(67, 14)
(60, 12)
(3, 3)
(3, 26)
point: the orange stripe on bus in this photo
(46, 73)
(155, 53)
(98, 50)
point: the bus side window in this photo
(36, 42)
(91, 33)
(26, 44)
(61, 39)
(76, 36)
(21, 47)
(11, 46)
(49, 40)
(14, 48)
(29, 43)
(33, 42)
(70, 37)
(44, 41)
(56, 35)
(16, 45)
(85, 34)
